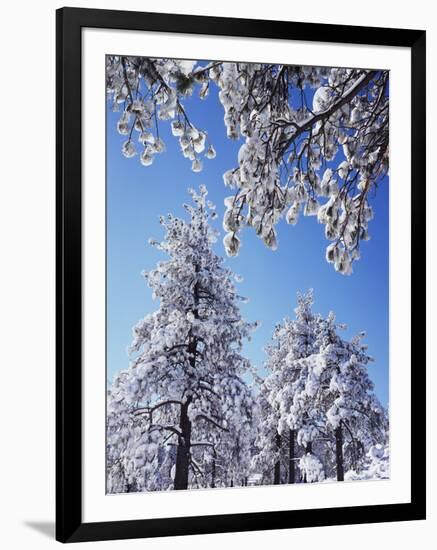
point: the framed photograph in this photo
(240, 275)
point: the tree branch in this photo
(324, 115)
(209, 419)
(150, 410)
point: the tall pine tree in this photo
(182, 407)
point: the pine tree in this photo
(294, 341)
(182, 405)
(319, 392)
(353, 413)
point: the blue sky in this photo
(138, 195)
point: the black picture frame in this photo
(69, 525)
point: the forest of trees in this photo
(191, 412)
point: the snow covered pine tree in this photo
(318, 391)
(182, 408)
(316, 139)
(354, 416)
(293, 342)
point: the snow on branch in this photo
(316, 140)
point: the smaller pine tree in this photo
(318, 393)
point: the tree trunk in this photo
(130, 487)
(183, 451)
(339, 453)
(213, 470)
(277, 473)
(308, 449)
(184, 441)
(291, 460)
